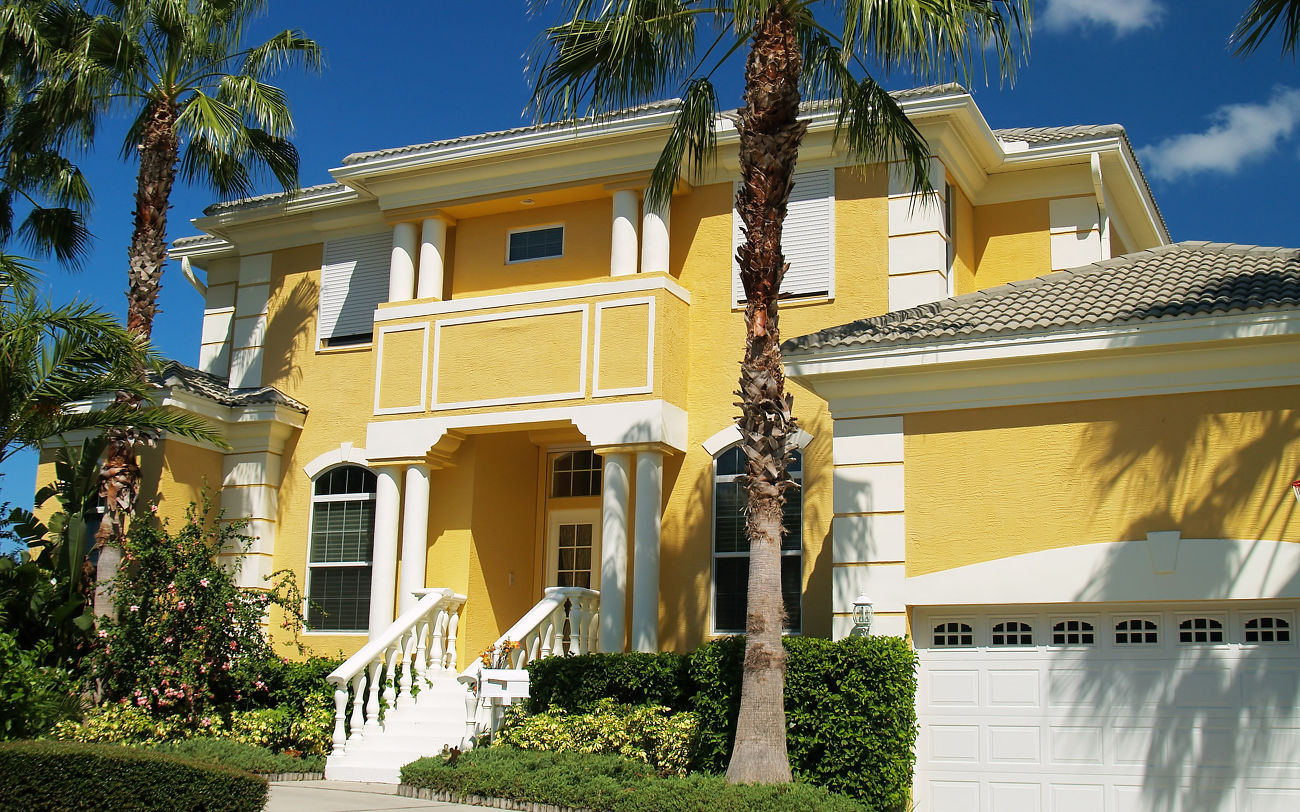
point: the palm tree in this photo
(1258, 22)
(202, 109)
(608, 55)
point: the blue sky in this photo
(1219, 136)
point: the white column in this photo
(401, 267)
(623, 250)
(613, 553)
(645, 553)
(654, 240)
(383, 572)
(415, 535)
(433, 247)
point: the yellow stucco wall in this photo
(1211, 465)
(1011, 243)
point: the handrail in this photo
(421, 639)
(565, 621)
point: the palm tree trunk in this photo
(119, 481)
(770, 134)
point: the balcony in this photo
(620, 339)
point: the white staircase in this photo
(411, 667)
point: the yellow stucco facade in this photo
(484, 377)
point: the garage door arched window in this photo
(1200, 630)
(1136, 632)
(1073, 632)
(1268, 630)
(340, 556)
(1013, 633)
(953, 633)
(731, 546)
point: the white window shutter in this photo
(808, 238)
(353, 281)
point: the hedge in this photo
(606, 782)
(50, 776)
(850, 705)
(247, 757)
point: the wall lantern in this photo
(862, 615)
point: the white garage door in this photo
(1109, 708)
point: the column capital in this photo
(414, 214)
(632, 449)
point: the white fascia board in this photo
(1193, 355)
(212, 248)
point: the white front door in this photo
(1109, 708)
(573, 548)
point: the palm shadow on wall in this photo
(1219, 716)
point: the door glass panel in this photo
(573, 565)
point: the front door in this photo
(573, 548)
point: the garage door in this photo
(1085, 708)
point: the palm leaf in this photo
(1259, 21)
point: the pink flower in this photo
(167, 639)
(135, 608)
(153, 508)
(103, 633)
(203, 582)
(180, 605)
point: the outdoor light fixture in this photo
(527, 201)
(862, 615)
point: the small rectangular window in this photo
(1268, 629)
(536, 243)
(953, 633)
(1073, 632)
(1200, 630)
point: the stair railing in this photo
(564, 622)
(422, 640)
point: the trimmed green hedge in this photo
(56, 776)
(603, 782)
(240, 756)
(850, 705)
(636, 678)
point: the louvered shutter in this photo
(808, 239)
(353, 281)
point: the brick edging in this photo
(272, 777)
(442, 795)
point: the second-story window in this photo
(353, 281)
(807, 238)
(535, 243)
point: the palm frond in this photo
(1259, 21)
(693, 141)
(265, 105)
(934, 40)
(287, 48)
(874, 128)
(624, 56)
(59, 231)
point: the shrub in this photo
(121, 723)
(240, 756)
(605, 782)
(578, 683)
(645, 733)
(850, 712)
(33, 697)
(59, 776)
(186, 632)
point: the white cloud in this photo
(1238, 133)
(1126, 16)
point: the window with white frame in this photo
(807, 238)
(1137, 631)
(731, 546)
(1267, 629)
(1073, 632)
(340, 555)
(576, 473)
(1200, 630)
(527, 244)
(353, 282)
(1012, 633)
(953, 633)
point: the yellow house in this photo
(476, 388)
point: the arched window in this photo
(953, 633)
(731, 546)
(1268, 629)
(1013, 633)
(340, 555)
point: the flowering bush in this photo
(498, 656)
(121, 723)
(188, 639)
(646, 733)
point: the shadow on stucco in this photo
(1191, 727)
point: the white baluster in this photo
(593, 625)
(438, 622)
(394, 653)
(372, 705)
(404, 666)
(556, 619)
(577, 645)
(358, 706)
(471, 719)
(340, 717)
(421, 654)
(452, 623)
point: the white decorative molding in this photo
(648, 387)
(871, 538)
(424, 367)
(580, 392)
(603, 424)
(867, 439)
(731, 435)
(632, 284)
(1206, 569)
(883, 582)
(1075, 231)
(346, 452)
(255, 269)
(868, 488)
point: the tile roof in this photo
(1052, 135)
(272, 197)
(1165, 283)
(217, 388)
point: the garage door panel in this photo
(1171, 725)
